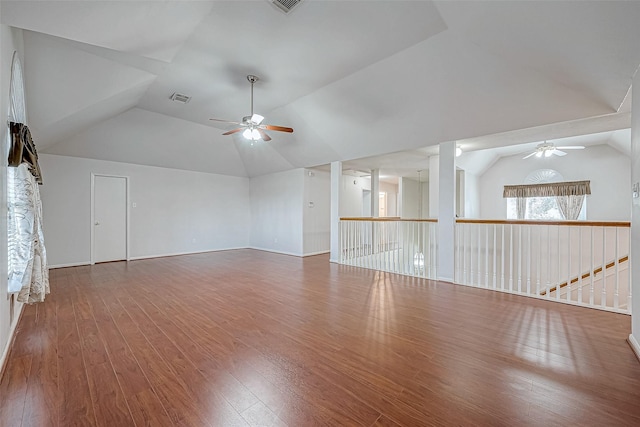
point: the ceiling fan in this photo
(548, 149)
(251, 125)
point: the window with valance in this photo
(568, 196)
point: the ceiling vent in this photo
(286, 5)
(178, 97)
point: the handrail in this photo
(387, 218)
(587, 274)
(530, 222)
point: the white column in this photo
(446, 210)
(375, 193)
(634, 338)
(434, 183)
(336, 179)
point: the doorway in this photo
(109, 218)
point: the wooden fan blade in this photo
(278, 128)
(264, 135)
(233, 131)
(226, 121)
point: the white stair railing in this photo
(576, 262)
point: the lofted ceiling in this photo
(353, 78)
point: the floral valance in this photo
(552, 189)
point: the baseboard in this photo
(316, 253)
(10, 340)
(274, 251)
(634, 345)
(134, 258)
(71, 264)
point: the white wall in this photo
(316, 217)
(351, 195)
(471, 195)
(634, 338)
(277, 212)
(10, 40)
(411, 198)
(176, 211)
(608, 170)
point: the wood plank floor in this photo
(251, 338)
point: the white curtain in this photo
(570, 206)
(27, 258)
(521, 207)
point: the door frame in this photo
(93, 220)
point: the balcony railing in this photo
(576, 262)
(390, 244)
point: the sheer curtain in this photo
(28, 274)
(521, 207)
(570, 206)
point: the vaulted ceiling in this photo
(353, 78)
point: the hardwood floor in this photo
(251, 338)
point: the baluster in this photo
(539, 260)
(580, 270)
(486, 256)
(617, 278)
(548, 294)
(464, 253)
(478, 247)
(511, 257)
(495, 261)
(502, 257)
(603, 297)
(570, 274)
(559, 276)
(592, 270)
(520, 258)
(529, 253)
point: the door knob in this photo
(97, 223)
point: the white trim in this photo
(274, 251)
(12, 332)
(134, 258)
(316, 253)
(70, 264)
(335, 261)
(634, 345)
(127, 229)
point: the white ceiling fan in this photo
(548, 149)
(252, 125)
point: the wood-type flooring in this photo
(245, 337)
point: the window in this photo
(542, 208)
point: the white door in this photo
(109, 218)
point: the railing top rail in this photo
(529, 222)
(388, 218)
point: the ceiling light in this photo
(252, 134)
(548, 153)
(257, 118)
(458, 151)
(539, 154)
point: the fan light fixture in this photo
(548, 149)
(252, 134)
(251, 126)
